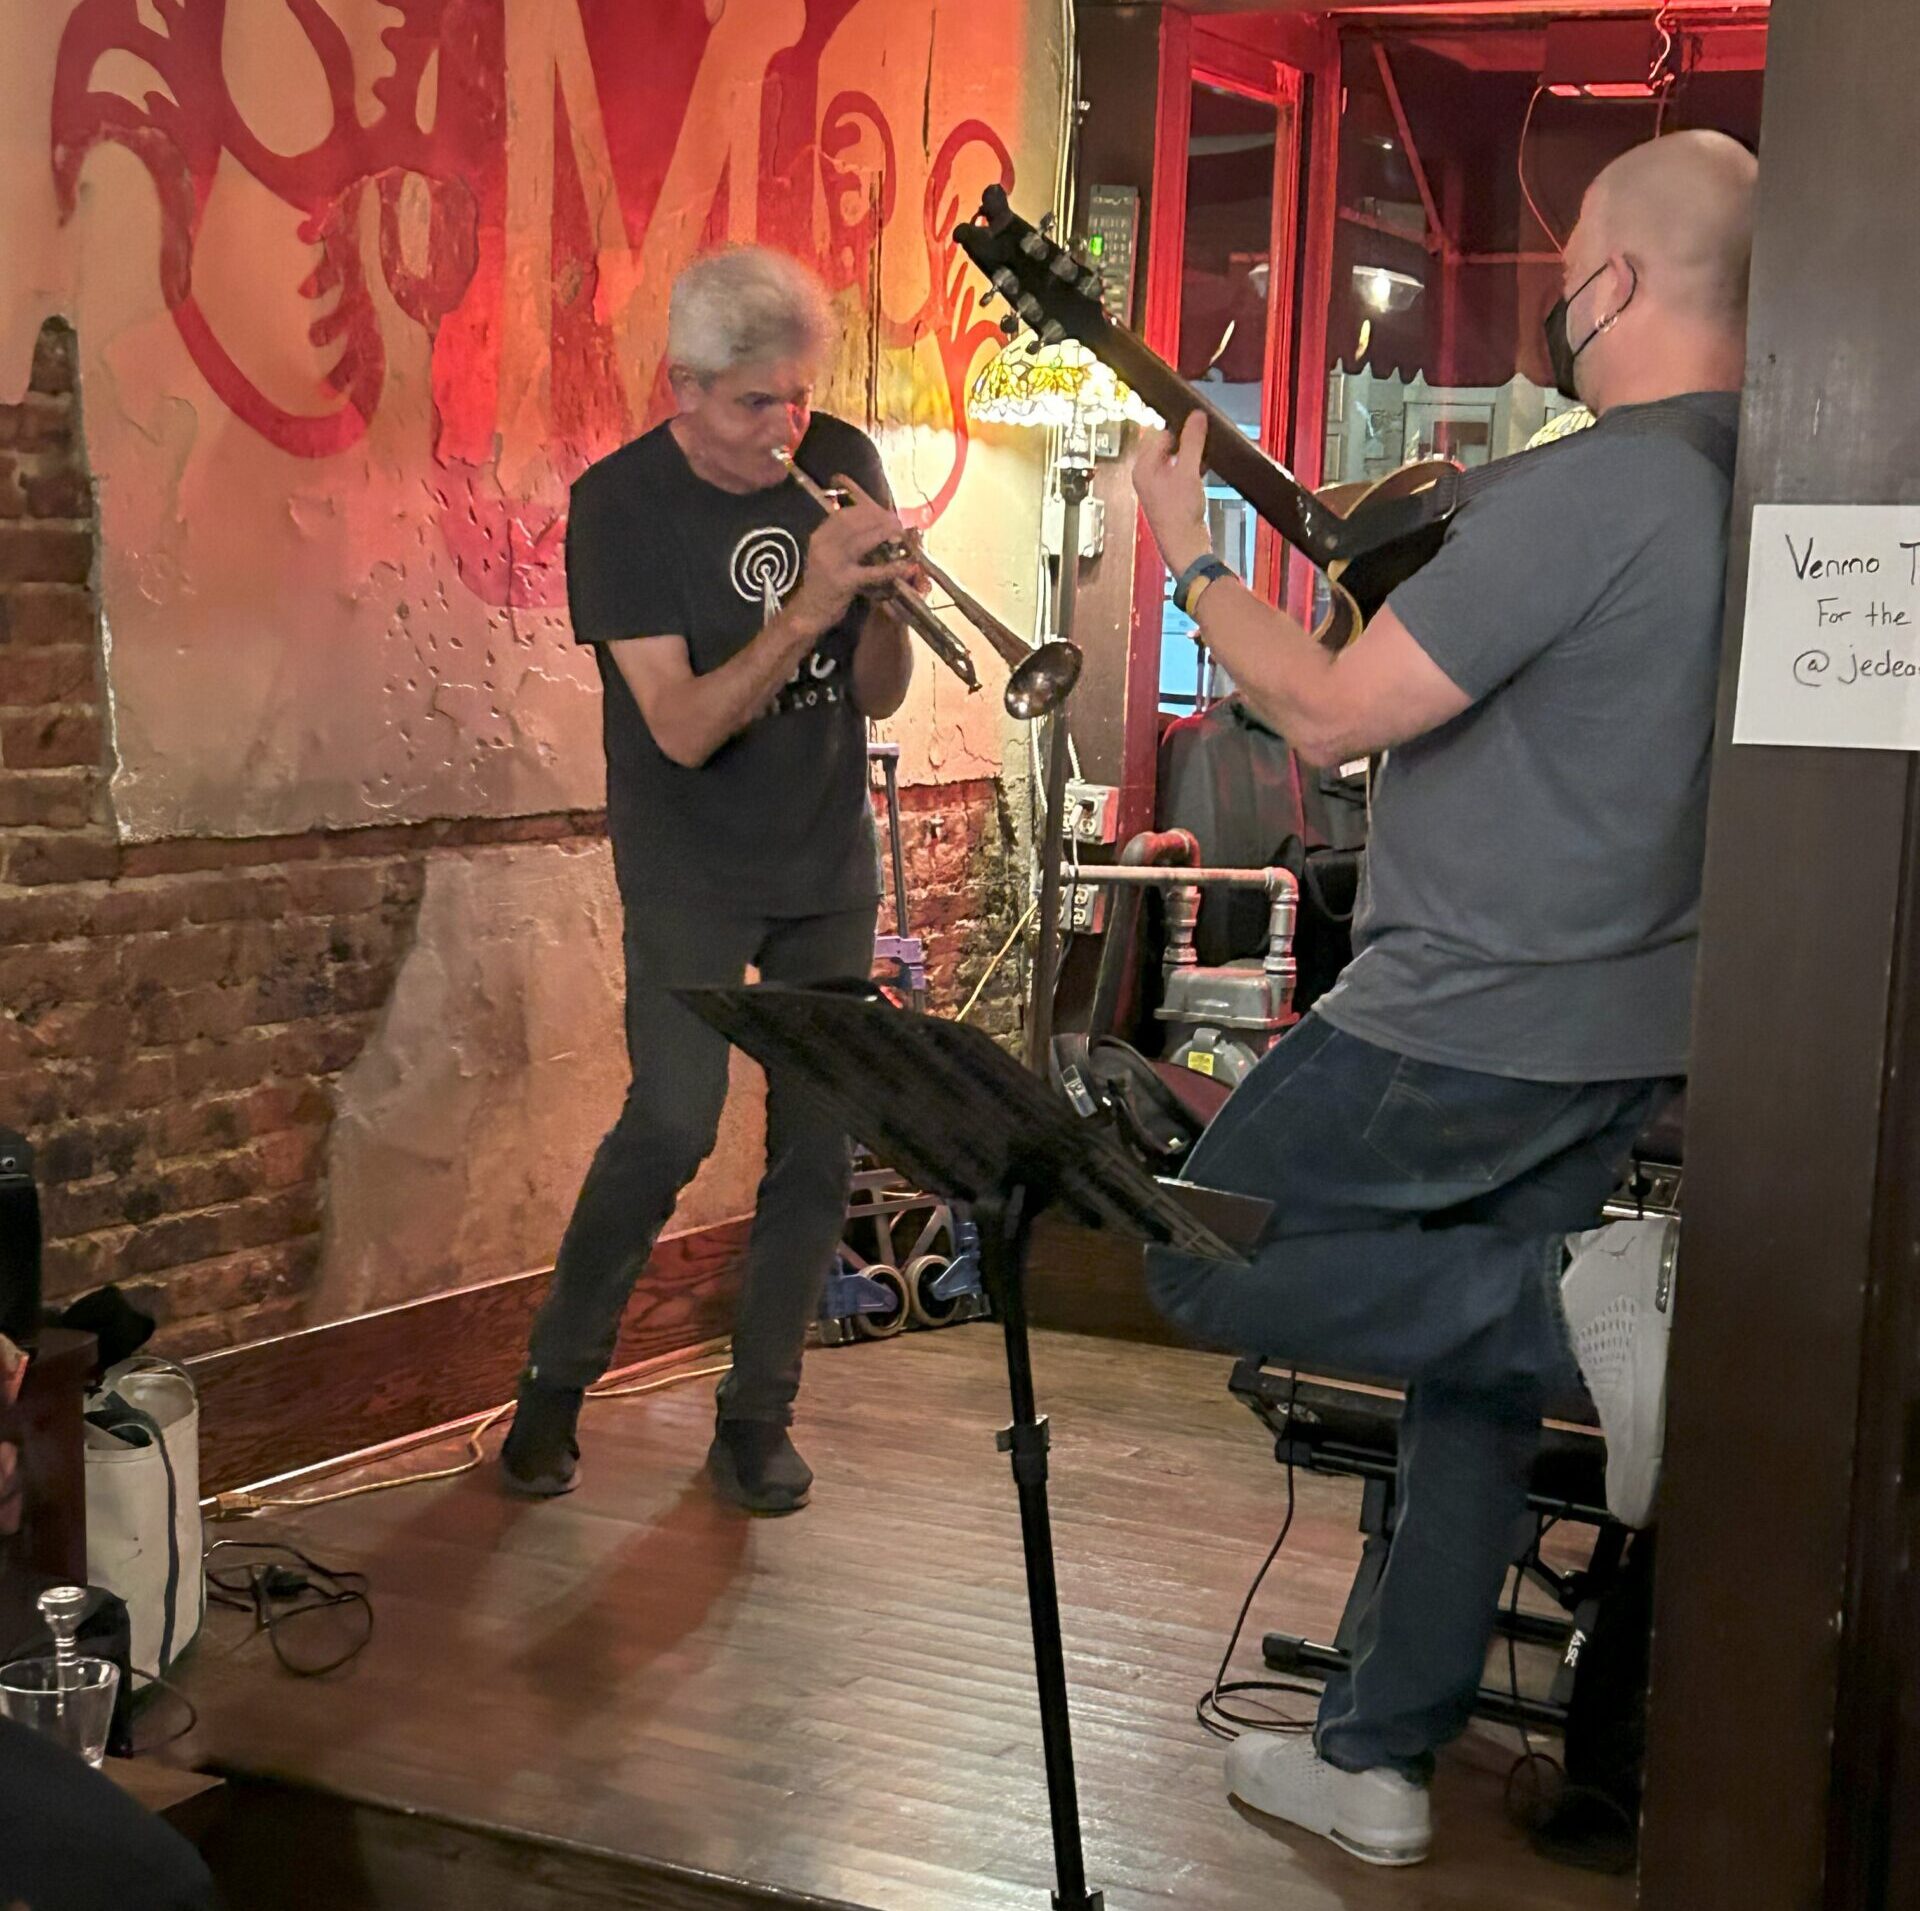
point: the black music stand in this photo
(961, 1118)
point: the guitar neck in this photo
(1274, 492)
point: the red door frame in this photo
(1228, 66)
(1290, 62)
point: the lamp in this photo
(1061, 387)
(1384, 290)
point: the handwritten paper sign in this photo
(1831, 654)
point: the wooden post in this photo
(1779, 1659)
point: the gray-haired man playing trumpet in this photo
(739, 660)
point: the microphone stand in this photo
(1075, 474)
(1005, 1226)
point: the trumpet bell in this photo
(1042, 679)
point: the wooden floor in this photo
(837, 1704)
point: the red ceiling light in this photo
(1606, 59)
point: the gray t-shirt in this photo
(1532, 893)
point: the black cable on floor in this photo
(278, 1594)
(149, 1682)
(1526, 1815)
(1221, 1720)
(1531, 1813)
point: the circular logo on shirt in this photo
(766, 565)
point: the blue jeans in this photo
(1416, 1238)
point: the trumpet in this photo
(1040, 675)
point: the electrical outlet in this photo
(1086, 910)
(1053, 529)
(1092, 812)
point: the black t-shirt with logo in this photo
(777, 820)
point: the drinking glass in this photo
(70, 1700)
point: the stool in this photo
(1351, 1429)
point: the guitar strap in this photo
(1715, 441)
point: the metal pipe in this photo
(1114, 980)
(1273, 881)
(1443, 239)
(887, 755)
(1075, 479)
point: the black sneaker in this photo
(541, 1457)
(753, 1463)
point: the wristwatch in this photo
(1195, 578)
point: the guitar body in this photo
(1389, 547)
(1365, 538)
(1393, 525)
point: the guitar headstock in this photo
(1046, 286)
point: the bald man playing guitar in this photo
(1439, 1134)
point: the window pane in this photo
(1434, 336)
(1225, 273)
(1434, 339)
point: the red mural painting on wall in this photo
(427, 171)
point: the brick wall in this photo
(174, 1016)
(963, 881)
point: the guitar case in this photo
(1224, 775)
(1252, 804)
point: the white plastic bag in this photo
(143, 1504)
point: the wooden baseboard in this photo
(1089, 1281)
(273, 1406)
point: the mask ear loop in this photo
(1613, 318)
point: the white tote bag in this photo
(143, 1504)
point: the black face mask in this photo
(1562, 353)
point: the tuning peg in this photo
(989, 295)
(1046, 224)
(1006, 285)
(1052, 332)
(1091, 285)
(1035, 246)
(1010, 324)
(1063, 266)
(1030, 309)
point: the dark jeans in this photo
(1419, 1213)
(667, 1128)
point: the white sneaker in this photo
(1618, 1296)
(1378, 1816)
